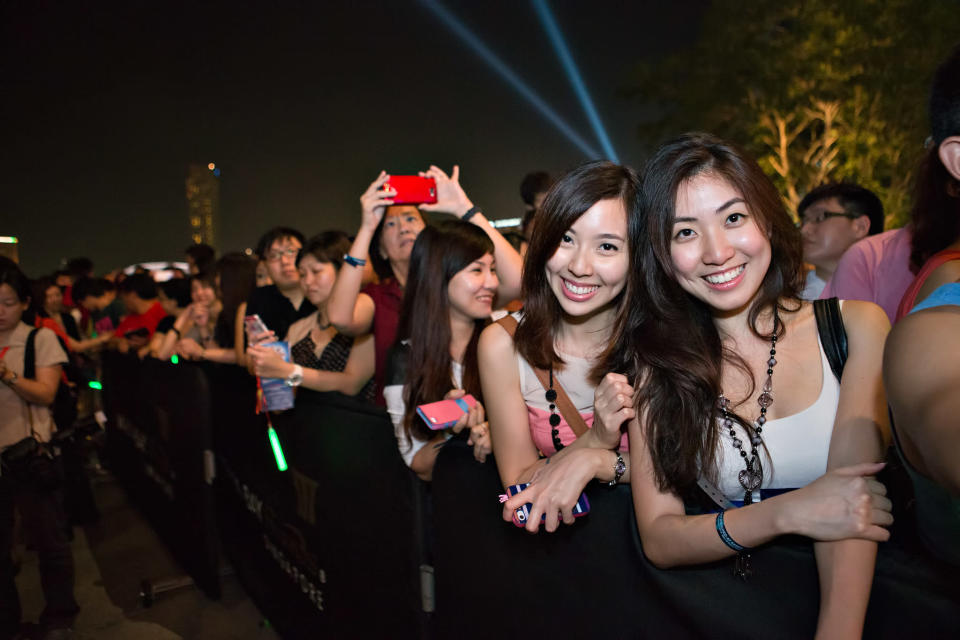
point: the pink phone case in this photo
(445, 413)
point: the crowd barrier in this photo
(346, 542)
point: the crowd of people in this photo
(655, 327)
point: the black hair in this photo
(139, 284)
(854, 199)
(274, 234)
(327, 246)
(533, 183)
(80, 267)
(178, 290)
(203, 255)
(10, 274)
(936, 203)
(91, 287)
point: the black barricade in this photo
(328, 547)
(159, 446)
(497, 580)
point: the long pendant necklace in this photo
(751, 477)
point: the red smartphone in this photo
(412, 189)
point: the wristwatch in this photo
(618, 471)
(295, 378)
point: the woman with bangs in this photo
(739, 402)
(576, 287)
(448, 300)
(386, 237)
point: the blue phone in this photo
(522, 514)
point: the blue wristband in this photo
(727, 540)
(353, 262)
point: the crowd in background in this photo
(652, 328)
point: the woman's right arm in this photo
(349, 311)
(516, 454)
(836, 506)
(238, 335)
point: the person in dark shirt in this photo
(99, 297)
(282, 303)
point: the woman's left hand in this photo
(554, 490)
(190, 348)
(267, 363)
(451, 198)
(612, 406)
(479, 433)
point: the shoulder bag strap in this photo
(566, 407)
(30, 356)
(833, 336)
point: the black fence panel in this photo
(159, 445)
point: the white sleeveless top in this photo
(796, 446)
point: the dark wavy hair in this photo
(439, 253)
(936, 204)
(569, 198)
(670, 344)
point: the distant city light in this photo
(216, 172)
(8, 240)
(506, 222)
(211, 166)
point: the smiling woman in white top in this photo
(716, 335)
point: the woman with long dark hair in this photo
(386, 236)
(715, 335)
(449, 296)
(576, 288)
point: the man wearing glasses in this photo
(832, 218)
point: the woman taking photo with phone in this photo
(449, 296)
(735, 392)
(386, 236)
(576, 284)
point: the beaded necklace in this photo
(551, 396)
(751, 477)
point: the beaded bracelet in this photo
(727, 540)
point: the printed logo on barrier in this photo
(305, 489)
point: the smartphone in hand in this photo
(443, 414)
(522, 514)
(412, 189)
(254, 327)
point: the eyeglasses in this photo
(276, 256)
(817, 218)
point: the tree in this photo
(817, 90)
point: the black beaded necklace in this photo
(551, 396)
(751, 477)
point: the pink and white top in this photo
(574, 378)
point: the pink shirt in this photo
(875, 269)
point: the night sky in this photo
(300, 104)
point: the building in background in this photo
(203, 202)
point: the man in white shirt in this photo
(833, 217)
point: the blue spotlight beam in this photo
(507, 74)
(566, 59)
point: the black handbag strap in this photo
(30, 356)
(833, 336)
